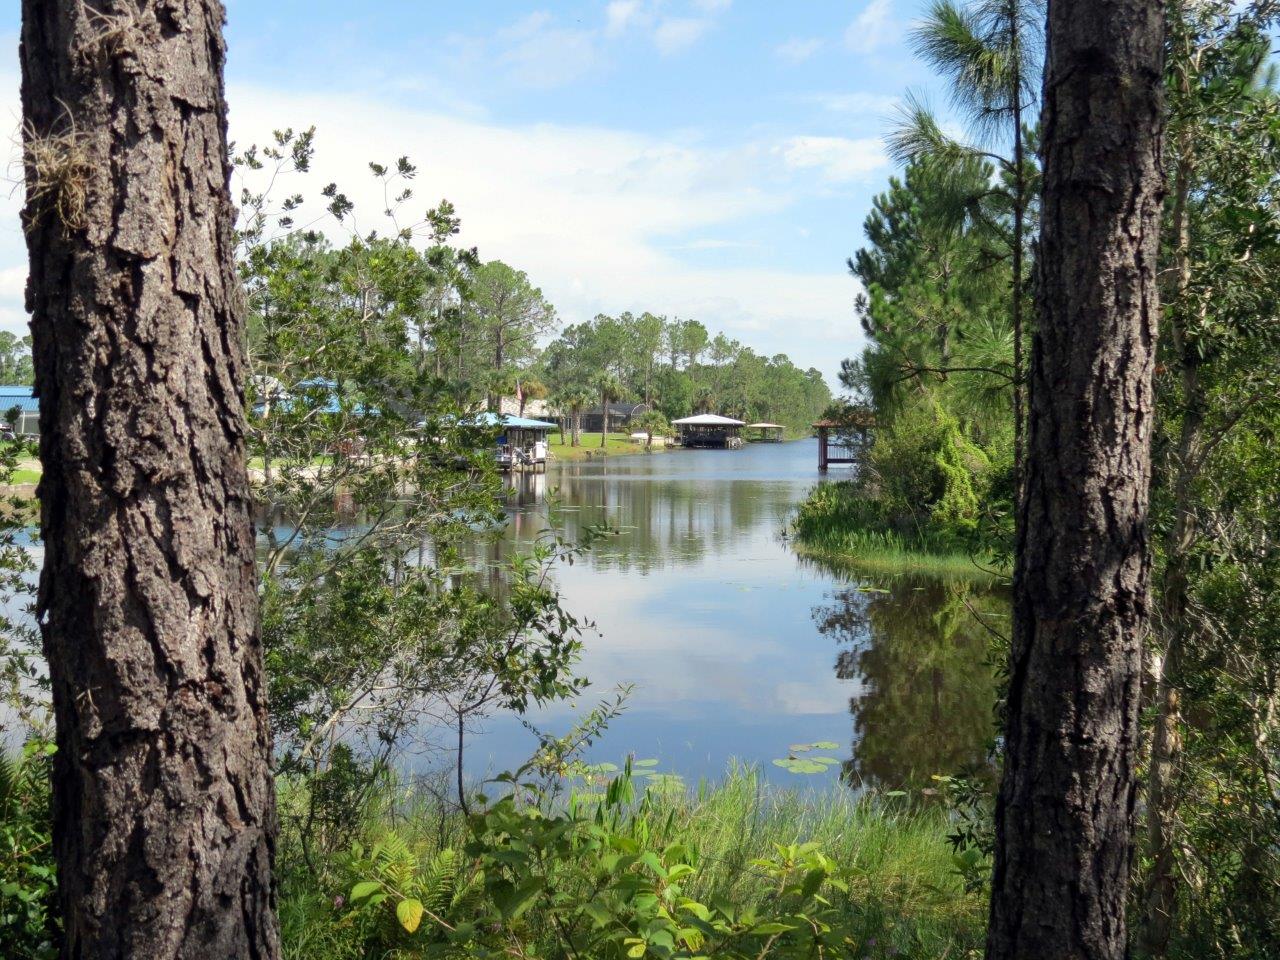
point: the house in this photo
(537, 409)
(620, 417)
(28, 407)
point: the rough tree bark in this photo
(164, 810)
(1064, 816)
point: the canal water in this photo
(736, 646)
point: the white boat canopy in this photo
(707, 420)
(765, 426)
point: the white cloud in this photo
(798, 49)
(621, 14)
(677, 33)
(539, 53)
(594, 215)
(713, 243)
(839, 159)
(873, 28)
(855, 103)
(602, 219)
(13, 244)
(538, 50)
(13, 283)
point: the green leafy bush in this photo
(598, 878)
(29, 924)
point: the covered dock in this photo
(709, 430)
(765, 432)
(522, 442)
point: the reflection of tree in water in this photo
(661, 522)
(927, 677)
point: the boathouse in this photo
(522, 442)
(709, 430)
(765, 432)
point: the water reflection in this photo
(664, 509)
(727, 634)
(924, 667)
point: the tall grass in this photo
(901, 864)
(904, 888)
(840, 526)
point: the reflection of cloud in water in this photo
(728, 635)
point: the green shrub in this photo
(613, 870)
(29, 927)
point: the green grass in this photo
(873, 552)
(616, 444)
(259, 463)
(898, 855)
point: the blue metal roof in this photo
(17, 395)
(321, 394)
(490, 419)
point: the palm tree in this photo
(573, 401)
(530, 389)
(651, 423)
(990, 50)
(610, 388)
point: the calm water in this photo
(736, 646)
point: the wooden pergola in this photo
(842, 440)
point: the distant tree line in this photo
(15, 359)
(484, 327)
(678, 368)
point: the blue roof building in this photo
(23, 398)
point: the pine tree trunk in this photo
(1064, 816)
(164, 812)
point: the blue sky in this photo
(709, 159)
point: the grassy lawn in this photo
(28, 471)
(257, 463)
(616, 444)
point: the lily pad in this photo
(803, 764)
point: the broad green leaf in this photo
(409, 913)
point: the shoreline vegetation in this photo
(746, 852)
(870, 554)
(617, 444)
(837, 524)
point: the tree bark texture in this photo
(1064, 815)
(164, 810)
